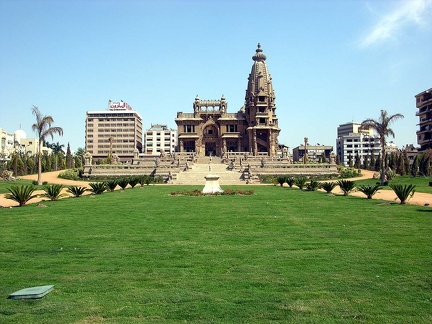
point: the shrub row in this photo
(403, 192)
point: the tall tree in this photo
(43, 129)
(382, 127)
(57, 148)
(69, 160)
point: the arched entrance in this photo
(211, 141)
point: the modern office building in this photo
(116, 131)
(424, 106)
(211, 130)
(160, 139)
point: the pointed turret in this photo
(260, 107)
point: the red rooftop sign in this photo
(119, 105)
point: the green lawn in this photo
(141, 255)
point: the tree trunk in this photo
(383, 162)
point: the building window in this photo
(231, 128)
(189, 128)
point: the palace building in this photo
(211, 130)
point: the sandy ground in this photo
(419, 198)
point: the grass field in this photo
(141, 255)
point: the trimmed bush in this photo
(53, 192)
(369, 190)
(21, 194)
(346, 186)
(300, 182)
(403, 192)
(328, 186)
(133, 181)
(290, 181)
(97, 187)
(76, 191)
(111, 184)
(313, 185)
(123, 182)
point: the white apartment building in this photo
(18, 142)
(159, 138)
(117, 130)
(354, 139)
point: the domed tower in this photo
(260, 108)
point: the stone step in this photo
(196, 175)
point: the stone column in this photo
(255, 144)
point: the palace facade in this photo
(211, 130)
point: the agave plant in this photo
(133, 181)
(76, 191)
(328, 186)
(369, 190)
(281, 180)
(53, 192)
(111, 184)
(123, 182)
(313, 185)
(97, 187)
(346, 186)
(300, 182)
(403, 192)
(141, 180)
(21, 194)
(148, 179)
(290, 181)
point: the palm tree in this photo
(43, 129)
(381, 126)
(57, 148)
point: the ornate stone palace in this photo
(211, 130)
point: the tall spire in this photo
(260, 108)
(259, 56)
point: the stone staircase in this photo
(196, 173)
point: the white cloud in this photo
(391, 24)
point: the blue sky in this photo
(331, 62)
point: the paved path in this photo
(419, 198)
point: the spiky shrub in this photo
(133, 181)
(76, 191)
(148, 180)
(141, 180)
(21, 194)
(300, 182)
(403, 192)
(369, 190)
(281, 180)
(328, 186)
(53, 192)
(97, 187)
(290, 181)
(123, 182)
(313, 185)
(346, 186)
(111, 184)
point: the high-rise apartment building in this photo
(160, 139)
(353, 140)
(117, 130)
(424, 105)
